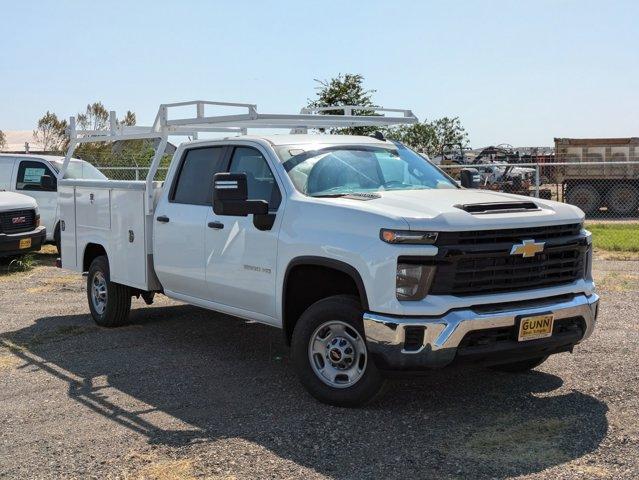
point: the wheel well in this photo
(306, 283)
(91, 252)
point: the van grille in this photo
(17, 221)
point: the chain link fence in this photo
(608, 192)
(131, 173)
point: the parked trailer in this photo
(613, 183)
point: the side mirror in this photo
(230, 196)
(469, 177)
(48, 183)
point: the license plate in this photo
(532, 328)
(25, 243)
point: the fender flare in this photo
(338, 265)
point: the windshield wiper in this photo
(331, 195)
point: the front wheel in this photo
(110, 303)
(330, 354)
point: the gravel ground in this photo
(184, 393)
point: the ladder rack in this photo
(164, 126)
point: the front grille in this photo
(512, 235)
(17, 221)
(480, 262)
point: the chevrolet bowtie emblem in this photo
(527, 248)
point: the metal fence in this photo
(603, 190)
(132, 173)
(608, 192)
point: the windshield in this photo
(78, 169)
(347, 169)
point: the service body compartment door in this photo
(66, 203)
(127, 261)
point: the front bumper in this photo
(449, 338)
(10, 243)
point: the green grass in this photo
(616, 237)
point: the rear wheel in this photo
(584, 196)
(110, 303)
(330, 354)
(519, 367)
(623, 199)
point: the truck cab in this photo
(367, 256)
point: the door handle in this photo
(163, 219)
(217, 225)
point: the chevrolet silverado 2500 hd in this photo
(366, 255)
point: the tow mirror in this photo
(48, 183)
(230, 196)
(469, 177)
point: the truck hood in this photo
(439, 209)
(15, 201)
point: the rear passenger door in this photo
(241, 257)
(179, 225)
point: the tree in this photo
(130, 153)
(430, 137)
(3, 140)
(96, 117)
(347, 89)
(51, 133)
(427, 137)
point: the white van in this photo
(36, 176)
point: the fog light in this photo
(413, 280)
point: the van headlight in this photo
(413, 281)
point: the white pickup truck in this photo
(367, 256)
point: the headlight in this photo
(407, 236)
(413, 280)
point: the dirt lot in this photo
(183, 393)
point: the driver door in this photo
(241, 258)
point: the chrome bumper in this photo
(385, 334)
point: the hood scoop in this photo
(497, 207)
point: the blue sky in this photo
(513, 71)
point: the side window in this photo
(260, 180)
(30, 175)
(195, 178)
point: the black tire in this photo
(623, 199)
(57, 239)
(345, 309)
(584, 196)
(519, 367)
(118, 297)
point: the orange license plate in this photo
(25, 243)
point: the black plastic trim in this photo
(322, 262)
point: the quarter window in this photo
(30, 175)
(259, 178)
(195, 179)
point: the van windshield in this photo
(79, 169)
(347, 169)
